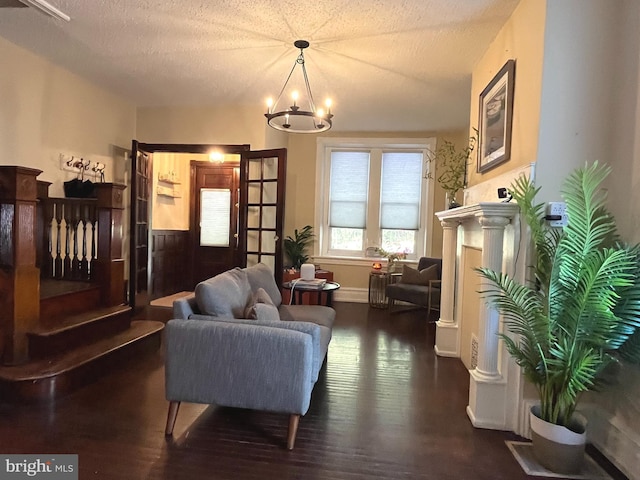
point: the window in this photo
(371, 194)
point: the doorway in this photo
(265, 170)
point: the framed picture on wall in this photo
(496, 112)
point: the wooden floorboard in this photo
(385, 407)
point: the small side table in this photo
(377, 289)
(297, 297)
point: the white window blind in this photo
(215, 217)
(349, 188)
(401, 187)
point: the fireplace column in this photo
(487, 385)
(447, 331)
(493, 235)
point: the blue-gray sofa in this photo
(234, 344)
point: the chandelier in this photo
(294, 118)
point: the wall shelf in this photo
(169, 178)
(168, 192)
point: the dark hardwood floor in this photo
(385, 407)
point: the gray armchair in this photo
(422, 295)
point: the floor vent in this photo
(474, 351)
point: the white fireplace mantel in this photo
(484, 224)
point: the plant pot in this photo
(558, 448)
(451, 201)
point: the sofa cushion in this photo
(412, 276)
(261, 276)
(225, 295)
(319, 314)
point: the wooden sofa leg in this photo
(293, 430)
(171, 417)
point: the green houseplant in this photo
(451, 167)
(296, 247)
(582, 310)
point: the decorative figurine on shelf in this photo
(377, 266)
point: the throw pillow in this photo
(414, 277)
(261, 276)
(259, 297)
(265, 311)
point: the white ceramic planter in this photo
(556, 447)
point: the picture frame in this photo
(495, 119)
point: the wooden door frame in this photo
(152, 148)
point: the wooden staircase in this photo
(79, 328)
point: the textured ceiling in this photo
(392, 65)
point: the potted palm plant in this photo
(296, 247)
(576, 317)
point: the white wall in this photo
(46, 111)
(614, 420)
(624, 155)
(231, 125)
(577, 89)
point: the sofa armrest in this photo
(238, 365)
(435, 283)
(185, 307)
(319, 339)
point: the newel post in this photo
(19, 276)
(109, 265)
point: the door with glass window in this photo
(214, 219)
(262, 194)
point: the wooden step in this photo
(61, 298)
(49, 378)
(76, 330)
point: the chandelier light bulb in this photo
(269, 104)
(320, 113)
(327, 103)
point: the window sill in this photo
(356, 261)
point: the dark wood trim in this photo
(169, 254)
(193, 148)
(20, 279)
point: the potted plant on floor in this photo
(576, 317)
(296, 247)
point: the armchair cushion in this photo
(419, 277)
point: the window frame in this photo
(372, 236)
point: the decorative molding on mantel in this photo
(482, 209)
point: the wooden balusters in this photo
(67, 225)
